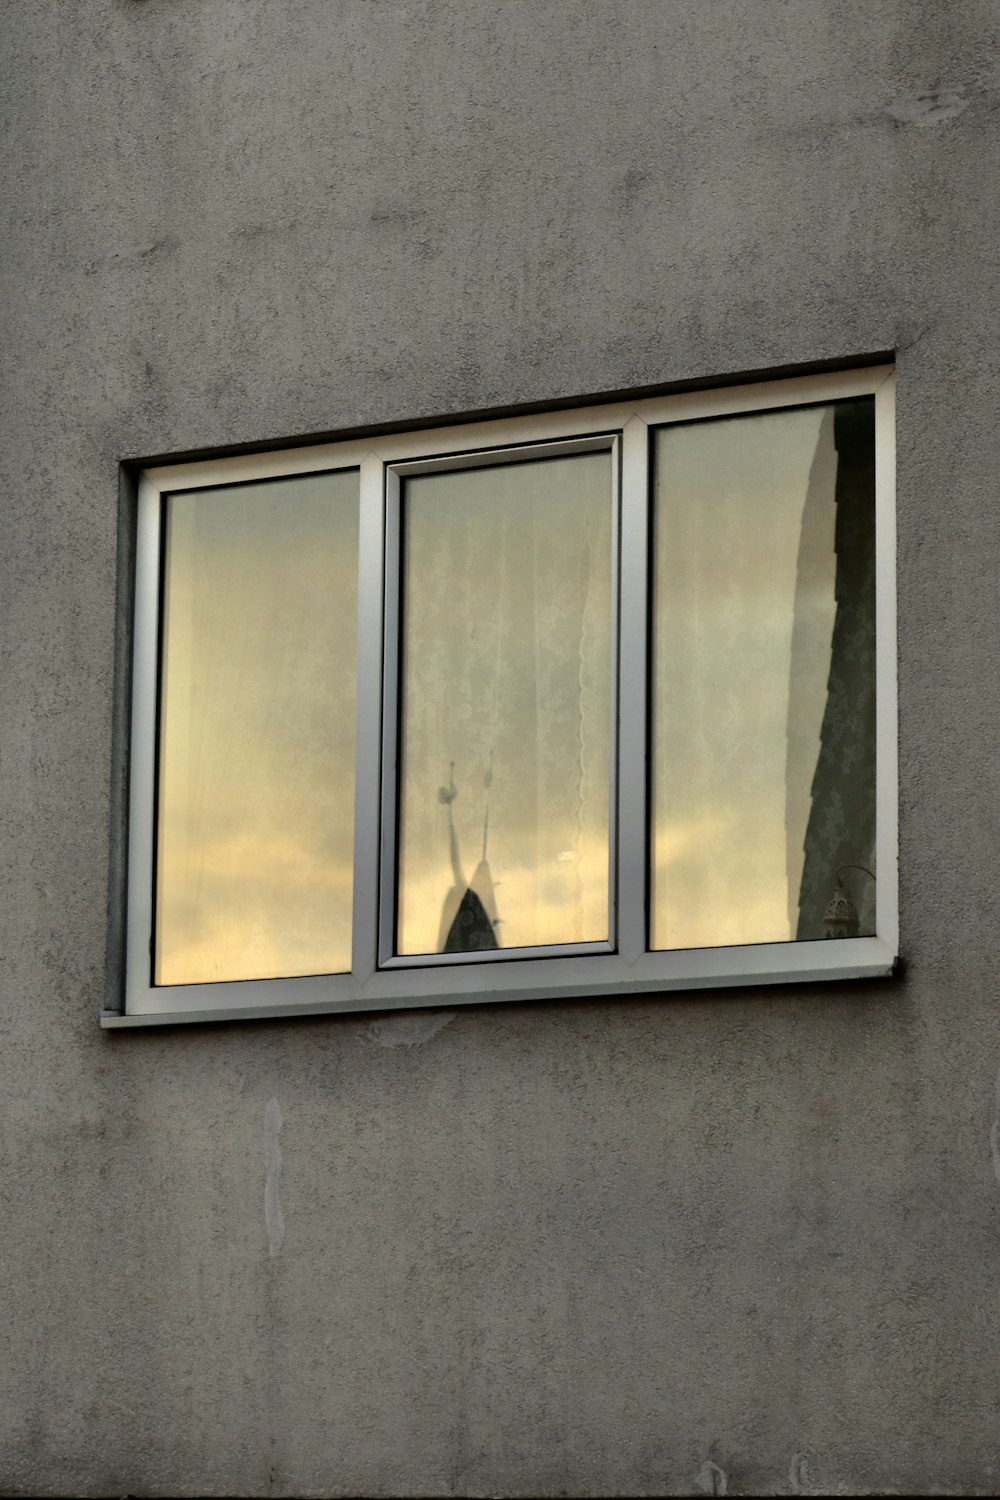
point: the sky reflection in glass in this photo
(255, 828)
(763, 532)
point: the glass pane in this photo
(504, 730)
(764, 678)
(255, 830)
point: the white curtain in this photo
(506, 681)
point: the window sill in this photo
(567, 979)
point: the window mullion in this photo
(371, 543)
(142, 793)
(887, 727)
(632, 687)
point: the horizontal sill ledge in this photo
(881, 968)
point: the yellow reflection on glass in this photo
(505, 706)
(255, 830)
(764, 675)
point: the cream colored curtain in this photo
(505, 704)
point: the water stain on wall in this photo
(274, 1218)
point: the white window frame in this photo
(379, 980)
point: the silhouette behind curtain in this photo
(469, 916)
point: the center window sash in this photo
(501, 722)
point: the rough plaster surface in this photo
(737, 1243)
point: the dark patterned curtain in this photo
(841, 824)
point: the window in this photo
(593, 701)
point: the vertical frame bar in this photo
(633, 680)
(614, 671)
(886, 713)
(142, 770)
(371, 584)
(387, 755)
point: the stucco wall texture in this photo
(637, 1247)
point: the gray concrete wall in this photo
(576, 1248)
